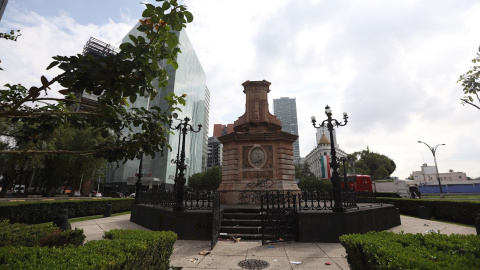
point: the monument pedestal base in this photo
(249, 191)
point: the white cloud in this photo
(392, 65)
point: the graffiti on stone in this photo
(252, 195)
(261, 184)
(249, 197)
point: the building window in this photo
(460, 176)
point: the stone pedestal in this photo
(257, 156)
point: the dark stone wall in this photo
(188, 225)
(321, 226)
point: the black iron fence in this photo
(315, 200)
(279, 217)
(158, 198)
(197, 200)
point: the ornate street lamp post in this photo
(433, 150)
(180, 179)
(343, 160)
(337, 193)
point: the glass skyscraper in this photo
(188, 79)
(285, 109)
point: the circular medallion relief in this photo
(257, 157)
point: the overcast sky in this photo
(391, 65)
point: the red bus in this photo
(358, 183)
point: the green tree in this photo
(207, 180)
(308, 181)
(54, 170)
(117, 80)
(471, 83)
(370, 163)
(13, 35)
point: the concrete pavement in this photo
(227, 254)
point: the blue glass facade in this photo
(188, 79)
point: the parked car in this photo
(98, 194)
(19, 189)
(113, 194)
(132, 195)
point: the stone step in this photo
(241, 229)
(251, 236)
(242, 216)
(242, 222)
(241, 210)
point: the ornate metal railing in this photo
(159, 198)
(366, 197)
(197, 200)
(279, 217)
(315, 200)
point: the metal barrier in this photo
(279, 217)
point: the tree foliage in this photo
(13, 35)
(52, 170)
(376, 165)
(308, 181)
(207, 180)
(471, 83)
(135, 72)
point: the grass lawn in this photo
(437, 196)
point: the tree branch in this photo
(470, 103)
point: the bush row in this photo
(122, 249)
(33, 212)
(20, 234)
(387, 250)
(456, 211)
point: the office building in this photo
(214, 153)
(97, 49)
(160, 171)
(285, 109)
(220, 130)
(215, 147)
(3, 6)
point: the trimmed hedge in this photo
(122, 249)
(387, 250)
(19, 234)
(34, 212)
(455, 211)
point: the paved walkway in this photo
(227, 254)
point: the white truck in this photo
(397, 188)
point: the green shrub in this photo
(387, 250)
(455, 211)
(156, 255)
(122, 249)
(45, 211)
(19, 234)
(59, 238)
